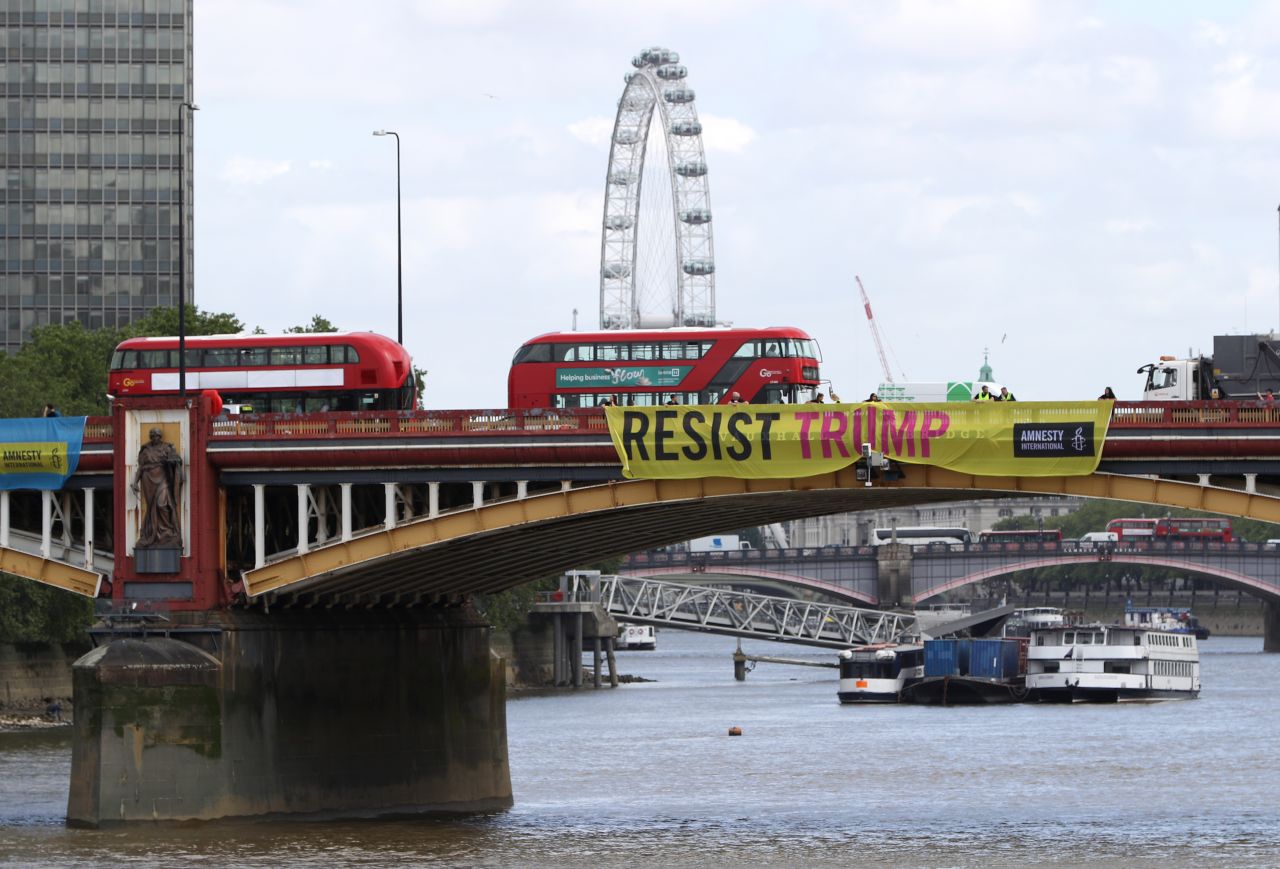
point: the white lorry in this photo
(952, 390)
(718, 543)
(1241, 367)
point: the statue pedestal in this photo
(159, 559)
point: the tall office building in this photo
(92, 92)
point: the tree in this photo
(164, 321)
(317, 324)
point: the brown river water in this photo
(646, 775)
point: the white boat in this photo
(632, 637)
(1110, 663)
(878, 673)
(1177, 620)
(1023, 621)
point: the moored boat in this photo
(632, 637)
(962, 671)
(880, 672)
(1175, 620)
(1112, 663)
(1022, 622)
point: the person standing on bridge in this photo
(1107, 395)
(1005, 395)
(157, 479)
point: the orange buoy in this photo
(735, 731)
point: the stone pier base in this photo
(1270, 626)
(308, 713)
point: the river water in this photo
(646, 775)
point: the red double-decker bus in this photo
(305, 372)
(663, 366)
(1132, 529)
(1218, 530)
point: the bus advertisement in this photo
(653, 367)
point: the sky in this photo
(1073, 187)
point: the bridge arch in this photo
(507, 543)
(1232, 578)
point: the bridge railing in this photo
(537, 421)
(1194, 414)
(420, 423)
(707, 560)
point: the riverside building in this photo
(91, 94)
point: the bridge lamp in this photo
(183, 109)
(399, 247)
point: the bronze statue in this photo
(159, 474)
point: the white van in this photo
(1099, 537)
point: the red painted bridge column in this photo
(191, 577)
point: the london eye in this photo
(657, 268)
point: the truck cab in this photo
(1171, 379)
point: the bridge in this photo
(863, 574)
(326, 564)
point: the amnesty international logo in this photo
(1044, 440)
(49, 457)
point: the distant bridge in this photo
(857, 574)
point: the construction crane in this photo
(875, 333)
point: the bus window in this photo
(254, 356)
(221, 357)
(527, 353)
(285, 356)
(318, 355)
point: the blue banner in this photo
(39, 453)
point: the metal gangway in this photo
(738, 613)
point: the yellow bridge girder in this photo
(508, 542)
(48, 571)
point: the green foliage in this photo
(420, 382)
(508, 610)
(30, 612)
(317, 324)
(164, 321)
(66, 364)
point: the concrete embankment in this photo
(33, 674)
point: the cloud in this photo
(251, 171)
(725, 134)
(1127, 226)
(592, 131)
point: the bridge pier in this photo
(1271, 626)
(299, 712)
(893, 575)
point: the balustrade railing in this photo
(1127, 416)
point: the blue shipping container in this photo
(995, 658)
(946, 657)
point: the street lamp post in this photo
(399, 244)
(183, 108)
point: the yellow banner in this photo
(988, 438)
(49, 457)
